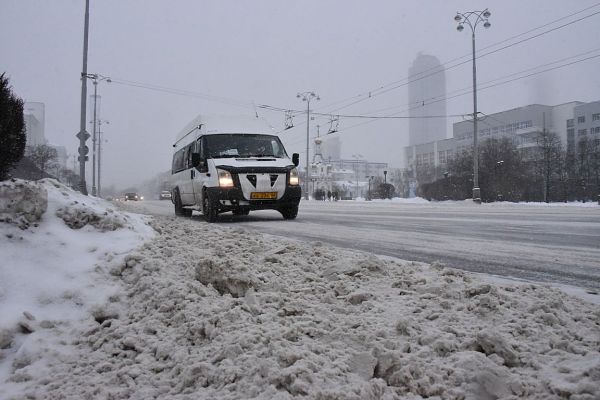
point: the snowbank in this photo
(52, 242)
(212, 312)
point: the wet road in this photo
(555, 244)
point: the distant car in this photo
(132, 197)
(164, 195)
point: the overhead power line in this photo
(181, 92)
(469, 89)
(400, 83)
(485, 86)
(461, 92)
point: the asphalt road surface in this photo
(554, 244)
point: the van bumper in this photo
(229, 199)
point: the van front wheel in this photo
(209, 208)
(290, 212)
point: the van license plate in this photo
(263, 195)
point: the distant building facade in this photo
(569, 121)
(349, 178)
(426, 97)
(433, 155)
(585, 123)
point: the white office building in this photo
(569, 121)
(426, 97)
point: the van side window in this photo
(188, 156)
(178, 164)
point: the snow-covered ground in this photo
(53, 244)
(205, 311)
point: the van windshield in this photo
(243, 146)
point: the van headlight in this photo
(294, 178)
(225, 178)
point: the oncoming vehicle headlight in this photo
(294, 179)
(225, 178)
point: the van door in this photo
(201, 173)
(185, 187)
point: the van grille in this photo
(273, 179)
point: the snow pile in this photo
(211, 312)
(22, 203)
(54, 242)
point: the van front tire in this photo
(209, 208)
(289, 212)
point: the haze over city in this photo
(170, 61)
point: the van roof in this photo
(216, 124)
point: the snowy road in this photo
(557, 244)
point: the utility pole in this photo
(307, 97)
(95, 80)
(100, 122)
(83, 136)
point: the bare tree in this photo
(501, 170)
(548, 156)
(587, 168)
(44, 157)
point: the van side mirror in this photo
(296, 159)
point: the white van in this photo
(232, 164)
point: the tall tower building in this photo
(425, 93)
(34, 114)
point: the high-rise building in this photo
(34, 115)
(426, 95)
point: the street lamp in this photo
(95, 78)
(472, 19)
(499, 165)
(307, 97)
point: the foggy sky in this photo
(267, 51)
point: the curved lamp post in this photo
(307, 97)
(472, 19)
